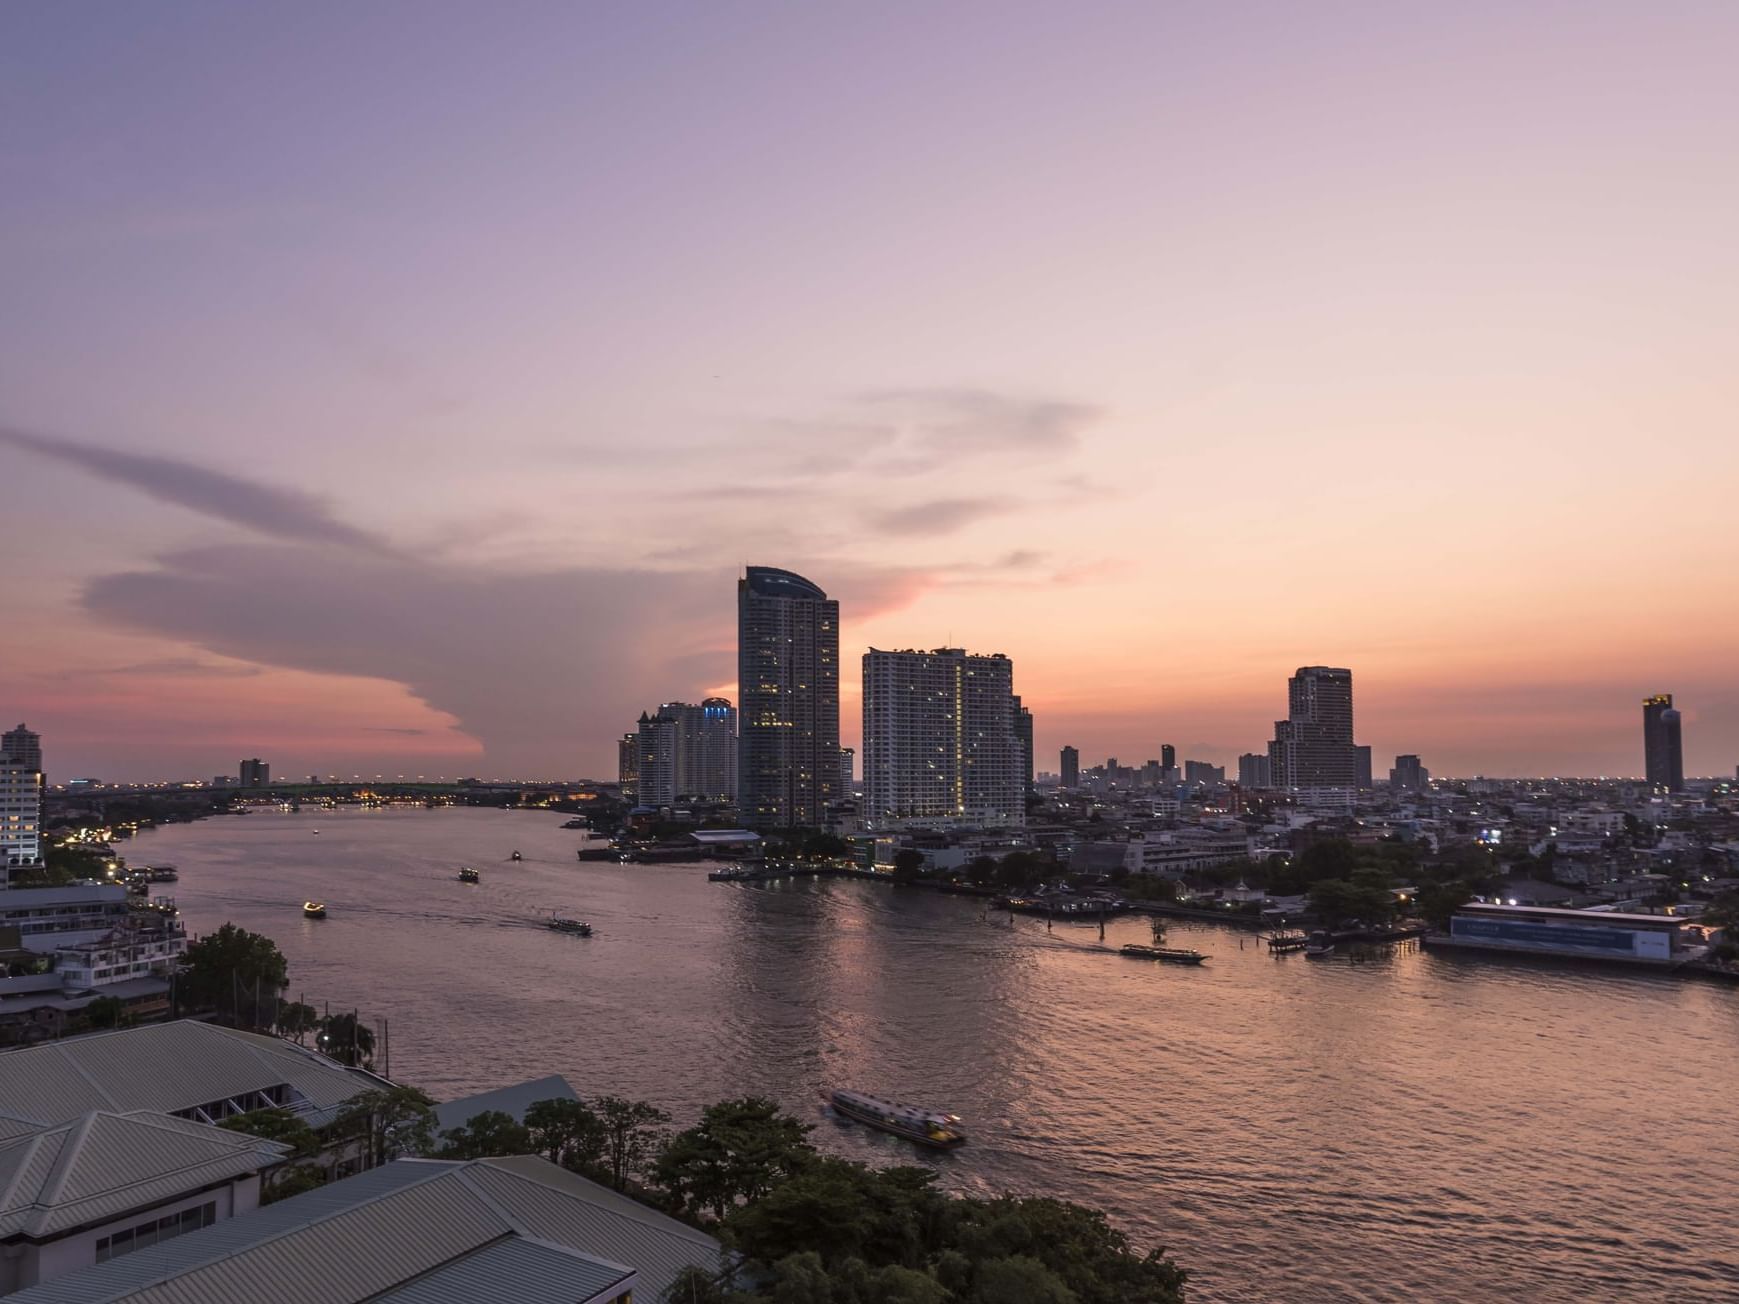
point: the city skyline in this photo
(403, 428)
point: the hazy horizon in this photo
(401, 389)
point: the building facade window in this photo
(156, 1230)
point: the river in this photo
(1424, 1127)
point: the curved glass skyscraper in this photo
(787, 699)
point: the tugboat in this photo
(1164, 954)
(516, 856)
(1319, 944)
(469, 875)
(314, 910)
(925, 1126)
(561, 924)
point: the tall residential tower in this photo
(941, 740)
(1313, 748)
(1663, 745)
(788, 699)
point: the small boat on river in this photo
(927, 1127)
(516, 856)
(314, 909)
(1319, 944)
(1164, 954)
(561, 924)
(469, 875)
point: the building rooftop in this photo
(172, 1068)
(415, 1231)
(771, 582)
(102, 1165)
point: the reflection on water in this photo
(1423, 1127)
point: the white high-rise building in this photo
(941, 741)
(687, 751)
(20, 801)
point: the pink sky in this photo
(464, 358)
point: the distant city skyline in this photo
(1151, 350)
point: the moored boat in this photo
(927, 1127)
(469, 875)
(314, 909)
(1320, 943)
(1164, 954)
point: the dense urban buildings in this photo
(1071, 767)
(788, 690)
(1662, 744)
(1313, 749)
(686, 750)
(255, 773)
(1023, 725)
(1203, 773)
(941, 740)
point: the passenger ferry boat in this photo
(565, 925)
(926, 1127)
(314, 909)
(469, 875)
(1320, 943)
(1164, 954)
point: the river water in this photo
(1424, 1127)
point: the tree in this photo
(347, 1039)
(568, 1131)
(489, 1133)
(1437, 902)
(302, 1171)
(238, 974)
(738, 1151)
(908, 864)
(395, 1120)
(632, 1129)
(1021, 1278)
(296, 1020)
(107, 1012)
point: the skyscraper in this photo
(788, 691)
(255, 773)
(1313, 748)
(1071, 766)
(941, 742)
(1408, 775)
(1663, 749)
(1167, 756)
(655, 756)
(628, 764)
(847, 771)
(21, 789)
(715, 760)
(1023, 726)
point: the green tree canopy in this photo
(347, 1039)
(238, 974)
(633, 1131)
(739, 1150)
(569, 1132)
(489, 1133)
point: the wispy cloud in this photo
(940, 516)
(271, 510)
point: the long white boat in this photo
(925, 1126)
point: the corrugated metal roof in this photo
(514, 1100)
(169, 1067)
(553, 1204)
(388, 1229)
(522, 1270)
(104, 1165)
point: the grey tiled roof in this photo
(103, 1165)
(169, 1067)
(524, 1271)
(392, 1228)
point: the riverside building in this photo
(1313, 751)
(788, 691)
(942, 741)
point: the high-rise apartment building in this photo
(788, 708)
(1023, 727)
(1255, 771)
(1167, 756)
(21, 791)
(628, 764)
(1203, 773)
(1071, 767)
(847, 771)
(1313, 748)
(714, 752)
(255, 773)
(1408, 775)
(1663, 745)
(655, 755)
(941, 744)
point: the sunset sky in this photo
(400, 387)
